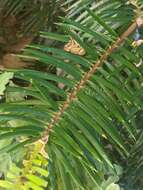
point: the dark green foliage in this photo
(100, 129)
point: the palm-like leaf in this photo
(99, 113)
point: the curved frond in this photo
(81, 124)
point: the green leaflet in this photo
(62, 54)
(54, 36)
(6, 184)
(45, 58)
(4, 80)
(32, 74)
(36, 180)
